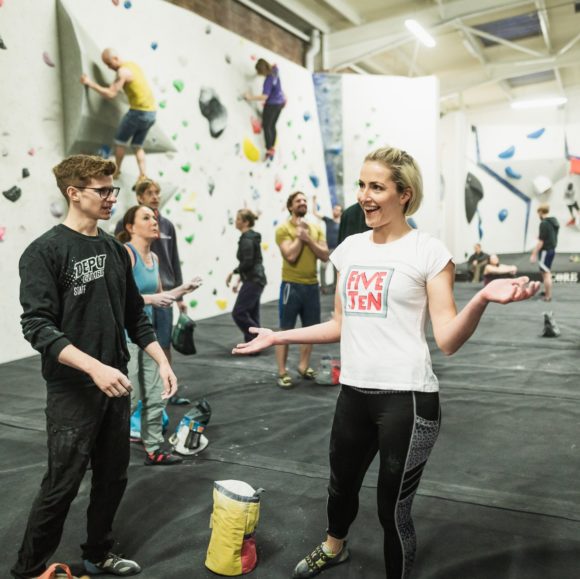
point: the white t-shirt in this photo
(384, 310)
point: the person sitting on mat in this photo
(494, 269)
(391, 280)
(140, 229)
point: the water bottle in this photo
(324, 374)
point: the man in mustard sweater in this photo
(301, 245)
(142, 113)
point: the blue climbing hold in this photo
(536, 134)
(512, 173)
(502, 215)
(508, 153)
(314, 180)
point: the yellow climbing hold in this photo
(251, 151)
(265, 246)
(222, 304)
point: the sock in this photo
(328, 551)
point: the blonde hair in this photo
(79, 170)
(544, 209)
(405, 173)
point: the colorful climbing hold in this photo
(278, 185)
(265, 246)
(47, 60)
(186, 167)
(127, 4)
(314, 180)
(508, 153)
(502, 215)
(13, 194)
(57, 209)
(256, 125)
(512, 173)
(306, 116)
(2, 233)
(154, 45)
(193, 303)
(251, 151)
(178, 85)
(536, 134)
(221, 304)
(162, 104)
(189, 239)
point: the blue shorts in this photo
(163, 325)
(298, 299)
(546, 259)
(134, 127)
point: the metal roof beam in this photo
(345, 10)
(359, 42)
(505, 42)
(544, 23)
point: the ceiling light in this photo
(540, 103)
(414, 27)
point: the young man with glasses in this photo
(78, 297)
(142, 112)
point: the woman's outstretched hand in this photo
(263, 340)
(505, 291)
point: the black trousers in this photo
(402, 427)
(82, 425)
(270, 116)
(246, 312)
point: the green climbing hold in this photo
(193, 303)
(162, 104)
(186, 167)
(190, 238)
(178, 85)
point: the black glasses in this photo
(104, 192)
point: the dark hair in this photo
(248, 216)
(291, 199)
(128, 219)
(80, 169)
(263, 67)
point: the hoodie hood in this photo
(553, 222)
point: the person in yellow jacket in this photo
(142, 112)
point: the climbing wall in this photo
(207, 150)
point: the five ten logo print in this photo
(366, 290)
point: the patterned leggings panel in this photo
(402, 427)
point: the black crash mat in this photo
(500, 497)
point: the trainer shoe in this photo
(285, 381)
(318, 561)
(161, 458)
(308, 374)
(112, 565)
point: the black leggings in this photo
(402, 427)
(269, 119)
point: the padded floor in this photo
(500, 497)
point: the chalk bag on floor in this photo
(236, 511)
(57, 571)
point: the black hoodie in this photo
(250, 257)
(549, 233)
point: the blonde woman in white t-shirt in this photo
(391, 279)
